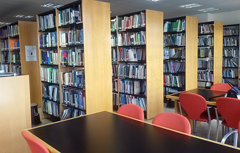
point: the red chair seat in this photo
(204, 116)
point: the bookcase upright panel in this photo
(191, 52)
(218, 53)
(27, 36)
(96, 19)
(154, 56)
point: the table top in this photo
(208, 94)
(107, 132)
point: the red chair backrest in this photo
(35, 145)
(193, 104)
(229, 108)
(173, 121)
(239, 129)
(132, 110)
(221, 87)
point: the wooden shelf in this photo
(174, 32)
(70, 25)
(51, 100)
(74, 45)
(68, 86)
(48, 48)
(15, 50)
(49, 83)
(50, 65)
(48, 30)
(66, 105)
(138, 95)
(133, 30)
(204, 34)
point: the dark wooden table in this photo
(107, 132)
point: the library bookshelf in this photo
(231, 53)
(18, 35)
(92, 45)
(182, 54)
(210, 48)
(144, 68)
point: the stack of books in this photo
(71, 113)
(70, 16)
(72, 57)
(131, 54)
(49, 57)
(131, 38)
(71, 37)
(49, 75)
(46, 22)
(12, 30)
(134, 71)
(130, 99)
(51, 92)
(74, 78)
(74, 97)
(48, 39)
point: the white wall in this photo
(227, 18)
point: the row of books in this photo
(49, 75)
(205, 76)
(170, 53)
(202, 64)
(71, 113)
(114, 70)
(15, 44)
(4, 45)
(74, 78)
(130, 99)
(132, 86)
(178, 25)
(229, 73)
(51, 108)
(48, 39)
(15, 57)
(230, 31)
(134, 71)
(3, 33)
(5, 57)
(230, 63)
(70, 15)
(174, 80)
(230, 52)
(17, 69)
(205, 41)
(205, 52)
(113, 40)
(12, 30)
(174, 39)
(71, 37)
(114, 55)
(51, 92)
(75, 98)
(72, 57)
(230, 41)
(173, 67)
(131, 54)
(129, 22)
(115, 85)
(131, 38)
(5, 67)
(115, 99)
(46, 22)
(205, 28)
(49, 57)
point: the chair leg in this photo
(235, 139)
(194, 127)
(180, 108)
(229, 134)
(223, 131)
(217, 124)
(209, 129)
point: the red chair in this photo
(196, 109)
(173, 121)
(229, 108)
(132, 110)
(35, 145)
(221, 87)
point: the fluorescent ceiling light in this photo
(51, 5)
(4, 23)
(23, 16)
(190, 5)
(208, 9)
(155, 0)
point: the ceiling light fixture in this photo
(23, 16)
(4, 23)
(155, 0)
(51, 5)
(190, 5)
(208, 9)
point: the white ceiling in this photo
(10, 8)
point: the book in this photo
(130, 99)
(49, 75)
(231, 31)
(16, 69)
(72, 57)
(205, 41)
(72, 37)
(134, 71)
(131, 38)
(74, 78)
(70, 15)
(205, 76)
(174, 39)
(15, 57)
(4, 45)
(205, 28)
(48, 39)
(131, 86)
(131, 54)
(71, 113)
(46, 22)
(5, 68)
(51, 108)
(49, 57)
(171, 80)
(3, 33)
(12, 30)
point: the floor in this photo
(201, 130)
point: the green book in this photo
(175, 26)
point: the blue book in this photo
(80, 105)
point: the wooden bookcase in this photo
(27, 37)
(97, 57)
(231, 52)
(216, 48)
(154, 49)
(188, 75)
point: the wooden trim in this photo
(191, 53)
(218, 52)
(154, 64)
